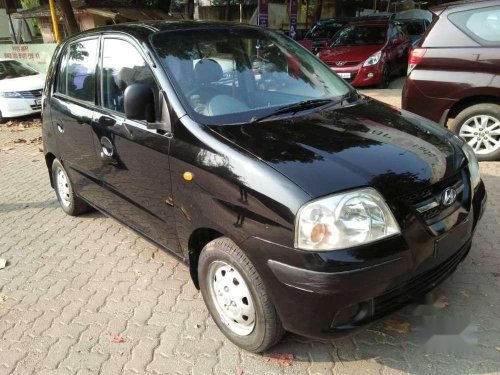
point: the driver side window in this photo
(122, 65)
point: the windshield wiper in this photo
(306, 104)
(294, 108)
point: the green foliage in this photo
(27, 4)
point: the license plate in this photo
(344, 75)
(38, 101)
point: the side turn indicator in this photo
(188, 176)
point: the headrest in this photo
(207, 70)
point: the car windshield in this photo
(360, 35)
(232, 75)
(324, 31)
(14, 69)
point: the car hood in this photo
(366, 144)
(34, 82)
(349, 53)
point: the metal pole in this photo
(307, 15)
(55, 25)
(12, 28)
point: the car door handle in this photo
(60, 128)
(106, 121)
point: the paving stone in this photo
(70, 283)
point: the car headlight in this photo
(344, 220)
(373, 59)
(12, 94)
(475, 176)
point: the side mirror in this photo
(139, 102)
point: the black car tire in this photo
(2, 119)
(488, 109)
(386, 77)
(267, 329)
(70, 203)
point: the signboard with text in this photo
(35, 55)
(263, 13)
(293, 18)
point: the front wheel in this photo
(236, 297)
(479, 126)
(2, 119)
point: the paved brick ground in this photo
(85, 295)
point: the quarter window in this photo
(77, 74)
(482, 25)
(122, 65)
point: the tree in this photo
(189, 13)
(319, 8)
(68, 17)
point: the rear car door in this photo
(72, 108)
(133, 160)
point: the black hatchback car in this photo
(297, 203)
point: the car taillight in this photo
(416, 55)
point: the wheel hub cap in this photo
(232, 298)
(482, 133)
(62, 187)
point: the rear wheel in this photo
(69, 202)
(2, 119)
(479, 125)
(236, 297)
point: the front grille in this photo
(427, 202)
(36, 107)
(31, 94)
(418, 286)
(346, 63)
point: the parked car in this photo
(415, 28)
(297, 203)
(323, 31)
(454, 74)
(20, 89)
(367, 53)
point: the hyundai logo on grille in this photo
(448, 197)
(340, 63)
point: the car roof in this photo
(439, 8)
(326, 21)
(372, 23)
(143, 29)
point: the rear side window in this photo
(482, 25)
(76, 77)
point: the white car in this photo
(20, 89)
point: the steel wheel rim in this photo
(232, 298)
(62, 184)
(482, 133)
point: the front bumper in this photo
(16, 107)
(361, 76)
(331, 294)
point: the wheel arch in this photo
(49, 159)
(197, 241)
(469, 101)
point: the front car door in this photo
(134, 162)
(72, 109)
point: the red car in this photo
(454, 74)
(367, 53)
